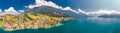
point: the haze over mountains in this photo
(110, 16)
(48, 10)
(48, 6)
(76, 14)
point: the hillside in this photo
(51, 11)
(32, 19)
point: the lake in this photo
(82, 25)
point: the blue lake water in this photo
(83, 25)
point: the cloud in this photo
(103, 12)
(39, 3)
(10, 10)
(1, 12)
(43, 2)
(21, 11)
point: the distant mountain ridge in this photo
(110, 16)
(67, 13)
(51, 11)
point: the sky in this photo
(17, 4)
(74, 4)
(90, 4)
(77, 6)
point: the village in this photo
(28, 20)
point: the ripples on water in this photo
(83, 25)
(100, 25)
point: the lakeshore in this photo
(48, 27)
(28, 20)
(89, 25)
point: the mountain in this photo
(58, 12)
(110, 16)
(39, 17)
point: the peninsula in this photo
(32, 19)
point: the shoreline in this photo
(45, 27)
(59, 24)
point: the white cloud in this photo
(67, 8)
(1, 12)
(21, 11)
(10, 10)
(43, 2)
(103, 12)
(39, 3)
